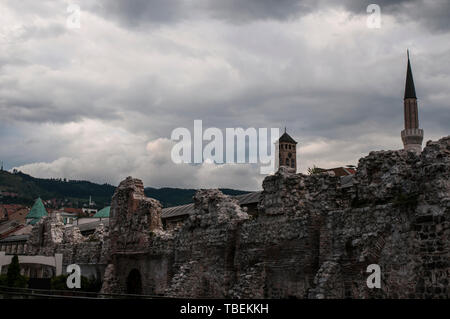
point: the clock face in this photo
(289, 155)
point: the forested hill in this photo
(76, 193)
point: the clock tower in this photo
(287, 151)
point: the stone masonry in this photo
(312, 238)
(49, 237)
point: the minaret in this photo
(286, 148)
(412, 135)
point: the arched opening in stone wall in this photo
(134, 282)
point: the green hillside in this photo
(76, 193)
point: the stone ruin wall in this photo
(50, 236)
(312, 238)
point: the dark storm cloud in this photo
(53, 100)
(433, 14)
(134, 13)
(246, 11)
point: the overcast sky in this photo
(100, 102)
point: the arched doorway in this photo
(134, 283)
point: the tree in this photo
(13, 277)
(314, 170)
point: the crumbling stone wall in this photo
(398, 219)
(313, 237)
(133, 217)
(50, 236)
(205, 247)
(135, 230)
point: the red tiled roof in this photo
(11, 208)
(19, 215)
(10, 228)
(342, 171)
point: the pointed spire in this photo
(287, 138)
(410, 91)
(36, 212)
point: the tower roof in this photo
(410, 91)
(286, 138)
(37, 211)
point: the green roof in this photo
(103, 213)
(37, 211)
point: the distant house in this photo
(89, 211)
(67, 218)
(69, 214)
(71, 210)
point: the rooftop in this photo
(37, 211)
(286, 138)
(103, 213)
(187, 209)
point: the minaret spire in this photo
(412, 135)
(410, 90)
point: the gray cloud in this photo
(135, 13)
(245, 11)
(433, 14)
(88, 103)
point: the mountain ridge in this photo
(21, 188)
